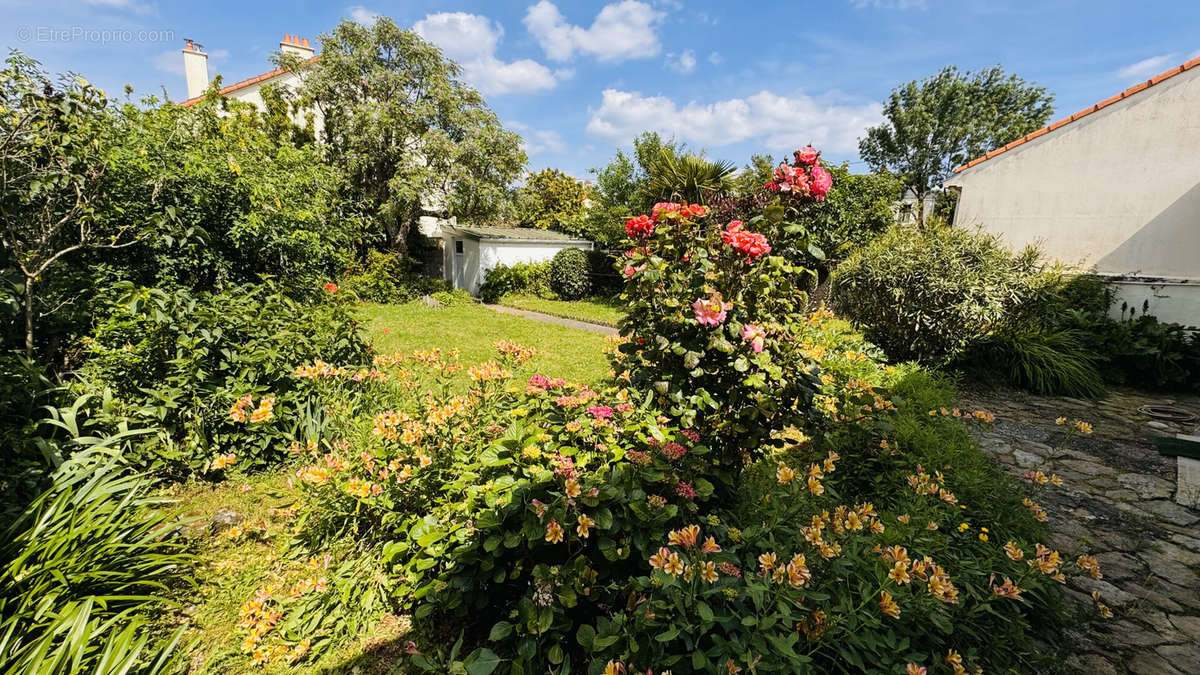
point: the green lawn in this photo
(604, 311)
(562, 352)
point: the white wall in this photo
(1116, 191)
(481, 256)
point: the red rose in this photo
(331, 287)
(640, 226)
(820, 183)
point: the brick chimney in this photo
(294, 44)
(195, 68)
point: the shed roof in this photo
(527, 234)
(1141, 86)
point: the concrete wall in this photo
(480, 256)
(1116, 191)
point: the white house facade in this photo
(1113, 189)
(470, 252)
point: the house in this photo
(195, 68)
(469, 252)
(1114, 189)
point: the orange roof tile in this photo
(1086, 111)
(245, 83)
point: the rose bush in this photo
(712, 310)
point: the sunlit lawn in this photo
(561, 351)
(596, 310)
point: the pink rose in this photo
(807, 155)
(821, 182)
(600, 412)
(710, 311)
(755, 336)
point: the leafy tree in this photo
(937, 124)
(551, 200)
(52, 162)
(409, 135)
(751, 179)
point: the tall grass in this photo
(86, 562)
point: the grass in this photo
(605, 311)
(561, 352)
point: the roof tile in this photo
(1085, 112)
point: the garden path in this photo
(1117, 501)
(550, 318)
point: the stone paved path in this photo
(550, 318)
(1118, 501)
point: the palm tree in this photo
(688, 177)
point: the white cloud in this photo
(360, 14)
(1146, 68)
(777, 121)
(716, 59)
(621, 31)
(685, 62)
(472, 40)
(889, 4)
(537, 141)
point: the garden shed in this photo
(469, 252)
(1114, 189)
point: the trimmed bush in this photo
(570, 277)
(929, 295)
(532, 278)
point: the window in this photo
(458, 246)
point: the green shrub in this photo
(453, 298)
(87, 565)
(1040, 360)
(931, 294)
(183, 363)
(388, 278)
(532, 278)
(570, 277)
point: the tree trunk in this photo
(29, 317)
(920, 211)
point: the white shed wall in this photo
(469, 270)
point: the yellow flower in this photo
(766, 562)
(710, 546)
(572, 488)
(585, 525)
(983, 536)
(658, 561)
(685, 537)
(1013, 551)
(899, 573)
(1060, 421)
(554, 532)
(963, 527)
(785, 474)
(904, 518)
(614, 668)
(955, 661)
(1083, 427)
(708, 571)
(1090, 565)
(673, 566)
(815, 487)
(888, 606)
(914, 669)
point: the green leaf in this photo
(482, 661)
(585, 636)
(500, 631)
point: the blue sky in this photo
(579, 79)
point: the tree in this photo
(551, 200)
(410, 136)
(52, 161)
(941, 122)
